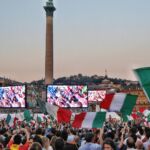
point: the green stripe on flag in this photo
(8, 118)
(39, 119)
(125, 118)
(128, 105)
(146, 89)
(99, 120)
(143, 75)
(27, 115)
(148, 118)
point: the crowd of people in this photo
(50, 135)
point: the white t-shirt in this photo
(50, 148)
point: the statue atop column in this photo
(50, 3)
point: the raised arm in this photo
(101, 135)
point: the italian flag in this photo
(60, 114)
(119, 102)
(11, 120)
(89, 120)
(143, 75)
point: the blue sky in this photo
(89, 37)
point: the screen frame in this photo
(24, 98)
(67, 85)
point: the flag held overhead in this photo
(143, 75)
(119, 102)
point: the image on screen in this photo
(12, 96)
(97, 95)
(67, 96)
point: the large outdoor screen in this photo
(67, 96)
(12, 96)
(96, 96)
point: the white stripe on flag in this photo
(88, 120)
(52, 110)
(20, 116)
(11, 123)
(117, 102)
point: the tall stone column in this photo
(49, 8)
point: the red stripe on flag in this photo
(63, 115)
(105, 104)
(15, 121)
(135, 116)
(78, 120)
(142, 109)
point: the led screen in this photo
(12, 96)
(97, 95)
(67, 96)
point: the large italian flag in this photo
(60, 114)
(143, 75)
(89, 120)
(119, 102)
